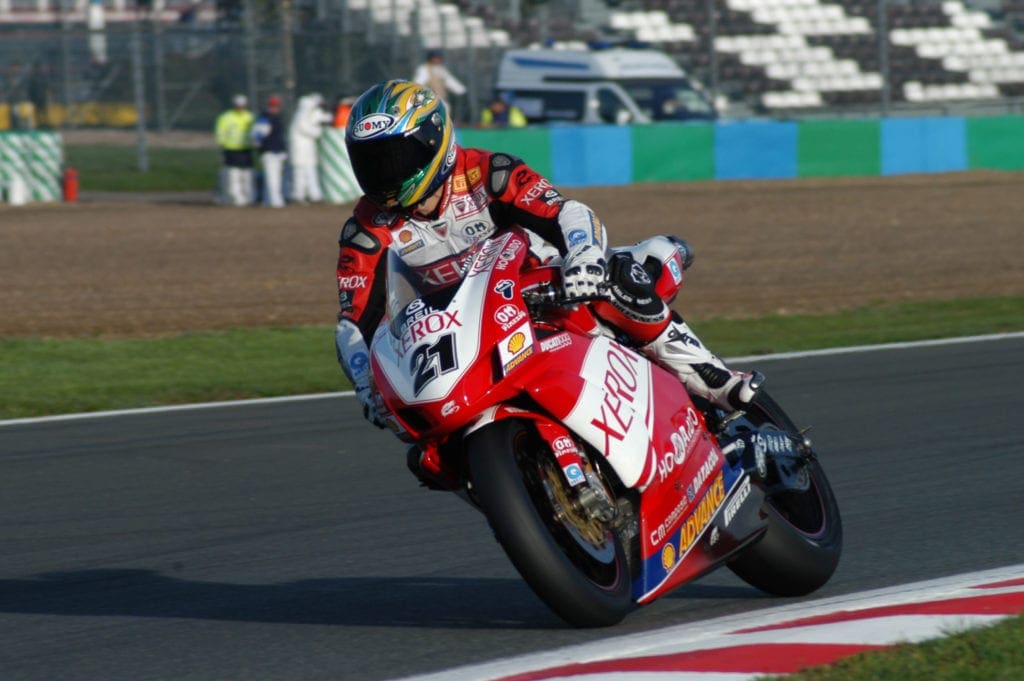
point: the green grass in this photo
(863, 326)
(987, 654)
(114, 168)
(53, 376)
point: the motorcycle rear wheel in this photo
(801, 548)
(577, 568)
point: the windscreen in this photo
(669, 100)
(412, 295)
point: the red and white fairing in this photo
(448, 371)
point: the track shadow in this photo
(362, 601)
(717, 592)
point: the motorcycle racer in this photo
(430, 200)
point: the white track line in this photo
(727, 631)
(349, 393)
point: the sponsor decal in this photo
(684, 338)
(713, 537)
(431, 324)
(353, 281)
(476, 229)
(563, 445)
(473, 174)
(486, 257)
(557, 342)
(595, 229)
(505, 287)
(536, 191)
(404, 236)
(675, 270)
(507, 315)
(574, 474)
(576, 237)
(681, 439)
(665, 526)
(621, 385)
(508, 254)
(372, 125)
(516, 342)
(702, 515)
(459, 183)
(411, 248)
(517, 348)
(668, 557)
(359, 362)
(464, 206)
(706, 469)
(440, 229)
(551, 197)
(737, 500)
(449, 408)
(441, 273)
(638, 274)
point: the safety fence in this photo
(30, 167)
(336, 177)
(614, 155)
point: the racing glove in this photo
(373, 407)
(583, 273)
(631, 291)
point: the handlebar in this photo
(549, 295)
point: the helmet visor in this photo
(383, 166)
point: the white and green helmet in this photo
(401, 143)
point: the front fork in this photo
(775, 458)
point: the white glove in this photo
(372, 405)
(583, 273)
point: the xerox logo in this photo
(371, 125)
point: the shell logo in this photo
(516, 342)
(668, 556)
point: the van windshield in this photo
(668, 100)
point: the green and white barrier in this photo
(336, 177)
(30, 166)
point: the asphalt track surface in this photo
(287, 541)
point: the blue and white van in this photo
(617, 85)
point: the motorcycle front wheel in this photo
(573, 562)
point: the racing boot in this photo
(677, 348)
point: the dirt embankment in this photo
(130, 268)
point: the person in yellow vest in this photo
(234, 137)
(502, 113)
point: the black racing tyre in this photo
(574, 564)
(801, 547)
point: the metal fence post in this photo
(712, 54)
(883, 54)
(139, 85)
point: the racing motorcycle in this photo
(604, 481)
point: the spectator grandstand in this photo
(762, 56)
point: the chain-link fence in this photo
(179, 72)
(181, 75)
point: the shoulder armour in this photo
(501, 166)
(354, 235)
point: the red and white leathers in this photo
(485, 192)
(643, 280)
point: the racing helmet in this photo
(401, 143)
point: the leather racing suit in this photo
(488, 191)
